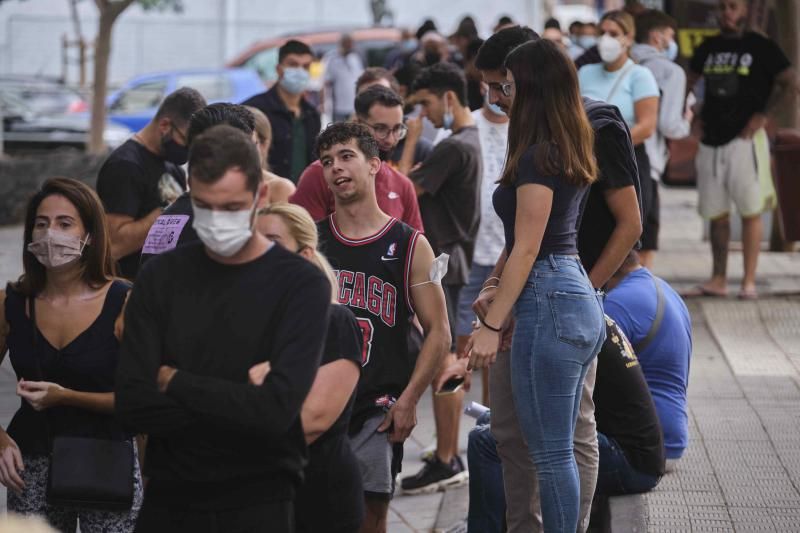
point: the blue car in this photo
(136, 103)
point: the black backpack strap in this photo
(642, 345)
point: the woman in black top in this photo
(65, 362)
(559, 318)
(331, 497)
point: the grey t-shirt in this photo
(451, 177)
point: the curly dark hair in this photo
(344, 132)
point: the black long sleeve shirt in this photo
(214, 440)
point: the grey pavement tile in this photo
(711, 525)
(709, 512)
(763, 526)
(702, 500)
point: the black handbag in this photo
(84, 471)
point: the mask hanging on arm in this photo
(55, 248)
(438, 271)
(223, 232)
(610, 48)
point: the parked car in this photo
(136, 103)
(27, 131)
(43, 95)
(372, 43)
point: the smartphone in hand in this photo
(451, 386)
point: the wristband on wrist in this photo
(490, 328)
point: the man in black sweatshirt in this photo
(222, 455)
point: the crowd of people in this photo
(255, 332)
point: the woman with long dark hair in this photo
(58, 324)
(559, 317)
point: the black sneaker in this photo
(435, 476)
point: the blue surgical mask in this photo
(672, 50)
(493, 108)
(586, 41)
(409, 45)
(295, 80)
(447, 118)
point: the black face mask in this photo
(172, 151)
(432, 57)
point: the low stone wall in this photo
(21, 176)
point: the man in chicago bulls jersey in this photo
(384, 272)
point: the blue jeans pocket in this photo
(574, 318)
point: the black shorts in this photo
(650, 202)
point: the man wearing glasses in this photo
(381, 110)
(143, 176)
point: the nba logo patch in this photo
(392, 250)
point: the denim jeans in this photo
(616, 475)
(559, 330)
(487, 502)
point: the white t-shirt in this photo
(342, 72)
(494, 140)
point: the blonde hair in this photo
(623, 19)
(303, 229)
(262, 126)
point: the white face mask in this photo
(223, 232)
(610, 48)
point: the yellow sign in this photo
(690, 38)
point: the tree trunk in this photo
(102, 52)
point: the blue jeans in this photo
(559, 330)
(616, 475)
(487, 500)
(469, 293)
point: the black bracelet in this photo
(490, 328)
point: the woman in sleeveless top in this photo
(331, 498)
(64, 358)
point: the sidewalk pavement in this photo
(741, 471)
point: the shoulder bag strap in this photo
(36, 359)
(617, 83)
(642, 345)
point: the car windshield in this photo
(42, 99)
(141, 97)
(13, 105)
(213, 86)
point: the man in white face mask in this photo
(222, 450)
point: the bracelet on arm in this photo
(491, 278)
(487, 288)
(490, 328)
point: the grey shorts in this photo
(378, 459)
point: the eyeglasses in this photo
(182, 136)
(382, 131)
(504, 88)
